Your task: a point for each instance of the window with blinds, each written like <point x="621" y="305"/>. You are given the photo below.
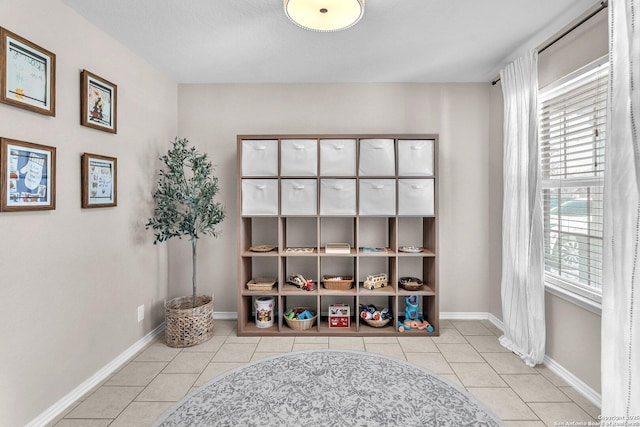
<point x="572" y="139"/>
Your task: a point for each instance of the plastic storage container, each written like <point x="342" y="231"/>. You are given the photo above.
<point x="264" y="311"/>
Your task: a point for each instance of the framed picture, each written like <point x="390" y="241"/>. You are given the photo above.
<point x="27" y="176"/>
<point x="98" y="102"/>
<point x="99" y="181"/>
<point x="27" y="75"/>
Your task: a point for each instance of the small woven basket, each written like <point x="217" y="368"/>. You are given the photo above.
<point x="301" y="325"/>
<point x="377" y="323"/>
<point x="261" y="284"/>
<point x="342" y="283"/>
<point x="411" y="283"/>
<point x="187" y="326"/>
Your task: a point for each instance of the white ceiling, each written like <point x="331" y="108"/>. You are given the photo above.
<point x="252" y="41"/>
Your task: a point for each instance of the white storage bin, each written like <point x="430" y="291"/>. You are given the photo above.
<point x="377" y="197"/>
<point x="416" y="197"/>
<point x="377" y="157"/>
<point x="259" y="157"/>
<point x="299" y="196"/>
<point x="298" y="157"/>
<point x="338" y="157"/>
<point x="415" y="157"/>
<point x="337" y="197"/>
<point x="259" y="197"/>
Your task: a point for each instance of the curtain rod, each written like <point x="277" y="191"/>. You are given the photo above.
<point x="603" y="5"/>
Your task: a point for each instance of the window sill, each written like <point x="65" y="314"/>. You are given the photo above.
<point x="580" y="301"/>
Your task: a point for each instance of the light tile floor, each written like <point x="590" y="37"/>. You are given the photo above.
<point x="466" y="352"/>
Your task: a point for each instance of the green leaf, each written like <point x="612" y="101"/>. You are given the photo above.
<point x="184" y="197"/>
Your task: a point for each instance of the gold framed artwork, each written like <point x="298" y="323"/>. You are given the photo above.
<point x="27" y="176"/>
<point x="98" y="102"/>
<point x="99" y="181"/>
<point x="27" y="74"/>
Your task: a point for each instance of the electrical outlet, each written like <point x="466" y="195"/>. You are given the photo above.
<point x="140" y="313"/>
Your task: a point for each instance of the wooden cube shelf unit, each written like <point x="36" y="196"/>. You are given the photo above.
<point x="376" y="193"/>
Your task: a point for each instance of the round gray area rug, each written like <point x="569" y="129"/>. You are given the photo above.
<point x="329" y="388"/>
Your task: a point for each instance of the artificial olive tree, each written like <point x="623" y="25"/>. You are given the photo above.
<point x="184" y="204"/>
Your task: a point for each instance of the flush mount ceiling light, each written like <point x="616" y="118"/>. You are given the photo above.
<point x="324" y="15"/>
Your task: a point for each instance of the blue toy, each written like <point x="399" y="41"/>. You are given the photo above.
<point x="304" y="315"/>
<point x="411" y="308"/>
<point x="412" y="318"/>
<point x="299" y="314"/>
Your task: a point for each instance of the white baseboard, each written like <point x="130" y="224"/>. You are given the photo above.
<point x="575" y="382"/>
<point x="463" y="315"/>
<point x="497" y="322"/>
<point x="60" y="406"/>
<point x="225" y="315"/>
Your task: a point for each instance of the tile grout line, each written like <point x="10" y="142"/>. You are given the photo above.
<point x="404" y="352"/>
<point x="133" y="360"/>
<point x="508" y="385"/>
<point x="145" y="387"/>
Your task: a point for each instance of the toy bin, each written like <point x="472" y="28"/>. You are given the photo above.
<point x="337" y="197"/>
<point x="377" y="157"/>
<point x="377" y="197"/>
<point x="298" y="157"/>
<point x="299" y="196"/>
<point x="300" y="325"/>
<point x="264" y="311"/>
<point x="415" y="157"/>
<point x="337" y="157"/>
<point x="415" y="197"/>
<point x="259" y="197"/>
<point x="259" y="157"/>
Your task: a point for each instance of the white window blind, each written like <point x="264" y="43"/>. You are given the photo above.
<point x="573" y="120"/>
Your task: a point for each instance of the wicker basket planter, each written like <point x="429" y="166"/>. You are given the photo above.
<point x="187" y="326"/>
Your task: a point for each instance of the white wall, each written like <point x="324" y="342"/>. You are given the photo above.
<point x="212" y="115"/>
<point x="582" y="46"/>
<point x="71" y="279"/>
<point x="573" y="333"/>
<point x="495" y="199"/>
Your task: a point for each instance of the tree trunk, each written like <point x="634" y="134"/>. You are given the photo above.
<point x="193" y="277"/>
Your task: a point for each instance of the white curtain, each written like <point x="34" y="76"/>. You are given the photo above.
<point x="522" y="244"/>
<point x="621" y="287"/>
